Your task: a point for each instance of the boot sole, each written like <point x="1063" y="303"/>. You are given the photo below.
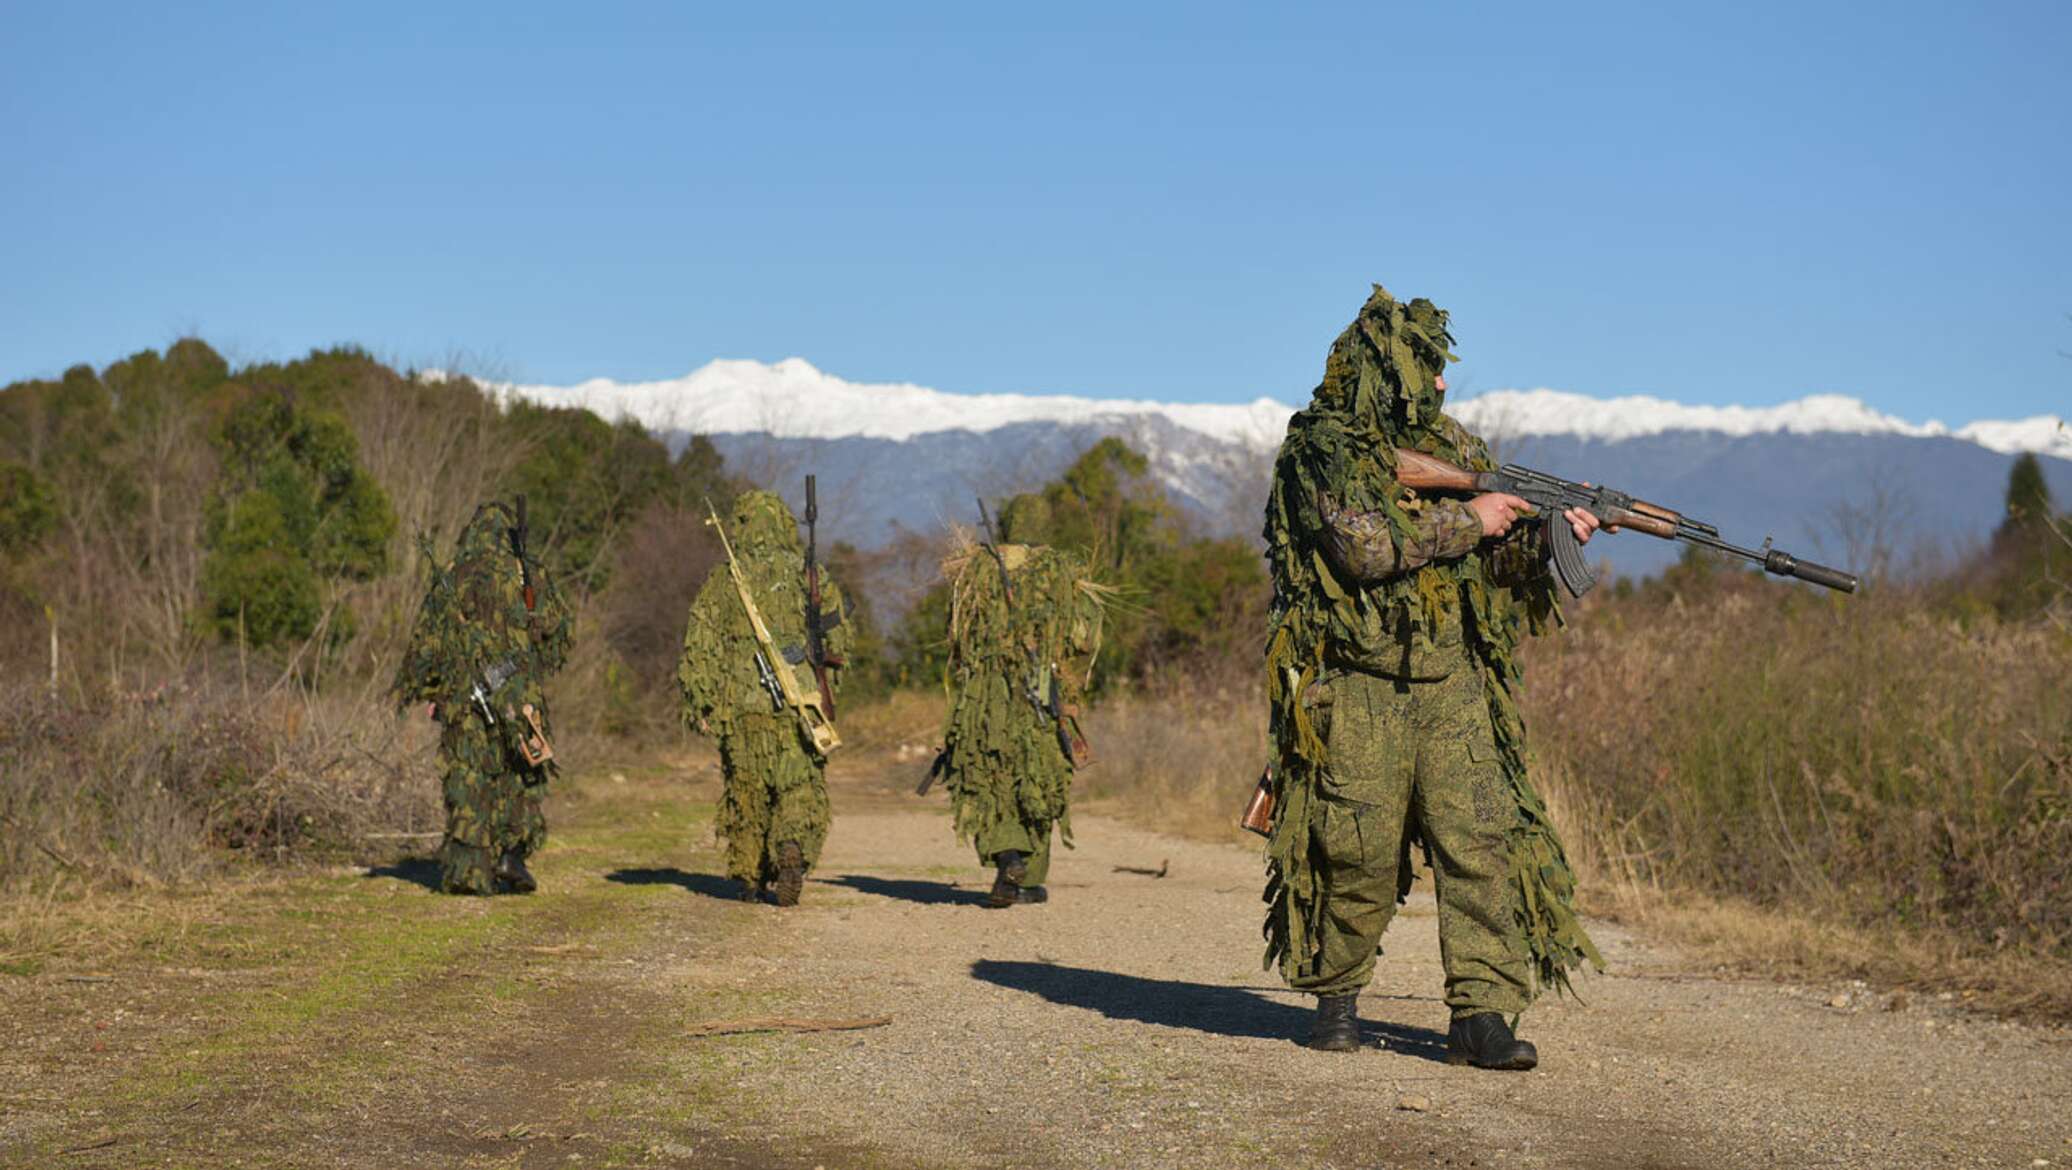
<point x="791" y="876"/>
<point x="1515" y="1064"/>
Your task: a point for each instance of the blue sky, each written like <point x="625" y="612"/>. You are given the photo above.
<point x="1719" y="203"/>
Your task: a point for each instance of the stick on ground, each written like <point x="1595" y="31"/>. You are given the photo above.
<point x="783" y="1024"/>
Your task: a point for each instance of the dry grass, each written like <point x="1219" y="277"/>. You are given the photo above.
<point x="1860" y="758"/>
<point x="162" y="789"/>
<point x="1184" y="763"/>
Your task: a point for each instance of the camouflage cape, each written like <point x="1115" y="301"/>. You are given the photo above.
<point x="774" y="787"/>
<point x="1003" y="763"/>
<point x="1378" y="393"/>
<point x="472" y="624"/>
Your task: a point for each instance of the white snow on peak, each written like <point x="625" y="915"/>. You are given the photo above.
<point x="1553" y="412"/>
<point x="794" y="399"/>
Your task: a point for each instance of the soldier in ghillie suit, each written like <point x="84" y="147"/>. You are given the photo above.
<point x="1391" y="671"/>
<point x="1025" y="624"/>
<point x="490" y="632"/>
<point x="774" y="813"/>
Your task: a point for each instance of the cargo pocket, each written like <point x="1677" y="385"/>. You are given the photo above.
<point x="1341" y="830"/>
<point x="1486" y="783"/>
<point x="1364" y="748"/>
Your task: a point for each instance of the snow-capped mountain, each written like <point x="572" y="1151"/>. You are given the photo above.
<point x="897" y="455"/>
<point x="792" y="399"/>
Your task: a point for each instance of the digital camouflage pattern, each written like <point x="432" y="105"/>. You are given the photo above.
<point x="1010" y="781"/>
<point x="472" y="628"/>
<point x="1391" y="669"/>
<point x="776" y="790"/>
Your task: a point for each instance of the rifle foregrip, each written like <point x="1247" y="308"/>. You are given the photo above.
<point x="1786" y="565"/>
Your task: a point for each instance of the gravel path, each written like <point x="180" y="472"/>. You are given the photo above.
<point x="357" y="1019"/>
<point x="1128" y="1024"/>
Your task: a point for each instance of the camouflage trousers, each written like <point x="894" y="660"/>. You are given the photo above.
<point x="1030" y="838"/>
<point x="776" y="791"/>
<point x="1422" y="753"/>
<point x="491" y="806"/>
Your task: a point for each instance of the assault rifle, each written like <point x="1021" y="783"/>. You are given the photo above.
<point x="1551" y="496"/>
<point x="518" y="535"/>
<point x="817" y="625"/>
<point x="771" y="665"/>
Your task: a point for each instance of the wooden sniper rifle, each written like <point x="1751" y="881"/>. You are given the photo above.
<point x="770" y="663"/>
<point x="1552" y="496"/>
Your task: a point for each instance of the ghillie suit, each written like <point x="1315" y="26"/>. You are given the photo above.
<point x="776" y="790"/>
<point x="1391" y="671"/>
<point x="1008" y="774"/>
<point x="474" y="631"/>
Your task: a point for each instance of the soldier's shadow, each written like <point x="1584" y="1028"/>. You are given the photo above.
<point x="1203" y="1007"/>
<point x="910" y="890"/>
<point x="419" y="871"/>
<point x="711" y="885"/>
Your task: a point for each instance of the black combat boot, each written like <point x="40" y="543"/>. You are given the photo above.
<point x="791" y="873"/>
<point x="511" y="874"/>
<point x="1485" y="1041"/>
<point x="1033" y="896"/>
<point x="1337" y="1026"/>
<point x="1007" y="883"/>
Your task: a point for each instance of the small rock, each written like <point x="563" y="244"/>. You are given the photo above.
<point x="1414" y="1103"/>
<point x="1841" y="1000"/>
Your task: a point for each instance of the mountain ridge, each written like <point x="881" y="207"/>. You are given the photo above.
<point x="794" y="399"/>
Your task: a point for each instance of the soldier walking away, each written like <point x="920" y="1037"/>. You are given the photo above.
<point x="1025" y="624"/>
<point x="1392" y="667"/>
<point x="490" y="632"/>
<point x="762" y="653"/>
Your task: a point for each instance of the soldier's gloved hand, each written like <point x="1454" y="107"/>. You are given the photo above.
<point x="1497" y="511"/>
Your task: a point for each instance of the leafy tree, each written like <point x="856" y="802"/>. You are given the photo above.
<point x="293" y="512"/>
<point x="28" y="508"/>
<point x="2030" y="554"/>
<point x="2029" y="506"/>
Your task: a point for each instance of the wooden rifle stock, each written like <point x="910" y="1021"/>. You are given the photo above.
<point x="1258" y="817"/>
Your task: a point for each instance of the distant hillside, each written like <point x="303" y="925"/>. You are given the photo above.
<point x="903" y="455"/>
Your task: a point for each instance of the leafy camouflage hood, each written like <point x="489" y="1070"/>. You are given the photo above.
<point x="488" y="544"/>
<point x="764" y="533"/>
<point x="1383" y="372"/>
<point x="1055" y="615"/>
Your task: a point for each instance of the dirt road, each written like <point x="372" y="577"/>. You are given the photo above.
<point x="356" y="1019"/>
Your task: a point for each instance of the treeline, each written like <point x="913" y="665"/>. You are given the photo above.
<point x="171" y="514"/>
<point x="169" y="508"/>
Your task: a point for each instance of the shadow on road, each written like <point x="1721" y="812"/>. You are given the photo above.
<point x="1219" y="1011"/>
<point x="418" y="871"/>
<point x="910" y="890"/>
<point x="709" y="884"/>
